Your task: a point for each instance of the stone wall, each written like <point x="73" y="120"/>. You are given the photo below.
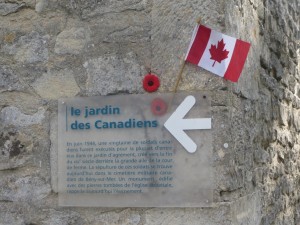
<point x="62" y="48"/>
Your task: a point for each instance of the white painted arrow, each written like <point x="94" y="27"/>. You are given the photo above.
<point x="176" y="124"/>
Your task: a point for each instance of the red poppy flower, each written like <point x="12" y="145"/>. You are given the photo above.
<point x="151" y="82"/>
<point x="158" y="107"/>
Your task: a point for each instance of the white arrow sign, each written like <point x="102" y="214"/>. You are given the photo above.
<point x="176" y="124"/>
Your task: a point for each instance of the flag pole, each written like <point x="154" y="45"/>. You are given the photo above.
<point x="179" y="77"/>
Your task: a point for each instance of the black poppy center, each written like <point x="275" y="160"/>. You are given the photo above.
<point x="158" y="108"/>
<point x="150" y="83"/>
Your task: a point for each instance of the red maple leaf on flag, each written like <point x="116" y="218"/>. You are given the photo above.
<point x="218" y="53"/>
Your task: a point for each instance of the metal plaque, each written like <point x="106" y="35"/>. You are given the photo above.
<point x="149" y="150"/>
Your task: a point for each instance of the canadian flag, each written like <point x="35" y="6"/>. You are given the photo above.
<point x="218" y="53"/>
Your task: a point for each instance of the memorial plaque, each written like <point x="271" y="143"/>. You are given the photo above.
<point x="151" y="150"/>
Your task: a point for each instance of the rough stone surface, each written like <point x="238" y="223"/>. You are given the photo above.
<point x="28" y="102"/>
<point x="208" y="216"/>
<point x="8" y="8"/>
<point x="15" y="148"/>
<point x="41" y="5"/>
<point x="113" y="74"/>
<point x="31" y="48"/>
<point x="8" y="80"/>
<point x="71" y="41"/>
<point x="58" y="84"/>
<point x="51" y="49"/>
<point x="13" y="116"/>
<point x="24" y="188"/>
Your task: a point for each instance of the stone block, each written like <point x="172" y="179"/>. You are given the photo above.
<point x="56" y="84"/>
<point x="54" y="217"/>
<point x="28" y="102"/>
<point x="126" y="217"/>
<point x="200" y="216"/>
<point x="261" y="156"/>
<point x="13" y="116"/>
<point x="114" y="74"/>
<point x="296" y="119"/>
<point x="72" y="41"/>
<point x="284" y="114"/>
<point x="8" y="8"/>
<point x="94" y="9"/>
<point x="9" y="80"/>
<point x="23" y="188"/>
<point x="247" y="210"/>
<point x="41" y="5"/>
<point x="31" y="48"/>
<point x="15" y="149"/>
